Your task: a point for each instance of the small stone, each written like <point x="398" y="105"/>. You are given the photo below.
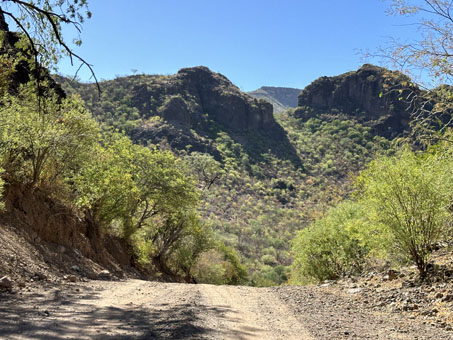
<point x="72" y="278"/>
<point x="40" y="276"/>
<point x="6" y="282"/>
<point x="407" y="284"/>
<point x="392" y="275"/>
<point x="61" y="249"/>
<point x="439" y="295"/>
<point x="448" y="298"/>
<point x="354" y="290"/>
<point x="91" y="276"/>
<point x="76" y="268"/>
<point x="104" y="275"/>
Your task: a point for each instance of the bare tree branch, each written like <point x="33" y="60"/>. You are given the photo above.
<point x="40" y="15"/>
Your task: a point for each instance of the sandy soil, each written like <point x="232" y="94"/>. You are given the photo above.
<point x="135" y="309"/>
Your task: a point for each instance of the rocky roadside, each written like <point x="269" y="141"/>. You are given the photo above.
<point x="394" y="302"/>
<point x="331" y="313"/>
<point x="26" y="260"/>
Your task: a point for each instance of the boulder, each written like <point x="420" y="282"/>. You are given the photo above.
<point x="72" y="278"/>
<point x="6" y="282"/>
<point x="104" y="275"/>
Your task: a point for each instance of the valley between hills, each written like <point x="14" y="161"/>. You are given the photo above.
<point x="180" y="207"/>
<point x="272" y="176"/>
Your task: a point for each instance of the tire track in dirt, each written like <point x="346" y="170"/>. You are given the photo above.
<point x="135" y="309"/>
<point x="244" y="313"/>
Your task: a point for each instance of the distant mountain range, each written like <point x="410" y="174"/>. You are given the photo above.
<point x="281" y="98"/>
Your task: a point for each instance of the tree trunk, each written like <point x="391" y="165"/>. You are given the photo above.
<point x="3" y="25"/>
<point x="159" y="262"/>
<point x="93" y="232"/>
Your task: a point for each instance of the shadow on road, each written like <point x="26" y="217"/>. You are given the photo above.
<point x="74" y="313"/>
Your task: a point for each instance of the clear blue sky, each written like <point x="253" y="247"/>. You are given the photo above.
<point x="252" y="42"/>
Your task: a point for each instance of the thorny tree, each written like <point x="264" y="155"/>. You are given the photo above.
<point x="430" y="52"/>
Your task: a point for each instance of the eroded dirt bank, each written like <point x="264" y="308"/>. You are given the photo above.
<point x="135" y="309"/>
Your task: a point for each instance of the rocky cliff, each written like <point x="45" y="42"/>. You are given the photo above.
<point x="372" y="95"/>
<point x="205" y="93"/>
<point x="193" y="106"/>
<point x="191" y="98"/>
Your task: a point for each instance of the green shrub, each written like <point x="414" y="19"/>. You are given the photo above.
<point x="42" y="139"/>
<point x="269" y="260"/>
<point x="268" y="276"/>
<point x="220" y="266"/>
<point x="332" y="246"/>
<point x="410" y="194"/>
<point x="193" y="241"/>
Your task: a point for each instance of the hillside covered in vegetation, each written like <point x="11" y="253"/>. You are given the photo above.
<point x="197" y="181"/>
<point x="262" y="179"/>
<point x="341" y="192"/>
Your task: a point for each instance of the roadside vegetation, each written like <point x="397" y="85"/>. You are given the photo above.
<point x="143" y="195"/>
<point x="401" y="206"/>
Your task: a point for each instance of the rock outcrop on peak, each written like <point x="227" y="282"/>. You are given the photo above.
<point x="372" y="95"/>
<point x="191" y="98"/>
<point x="211" y="93"/>
<point x="186" y="109"/>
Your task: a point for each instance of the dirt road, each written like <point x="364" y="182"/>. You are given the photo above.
<point x="137" y="309"/>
